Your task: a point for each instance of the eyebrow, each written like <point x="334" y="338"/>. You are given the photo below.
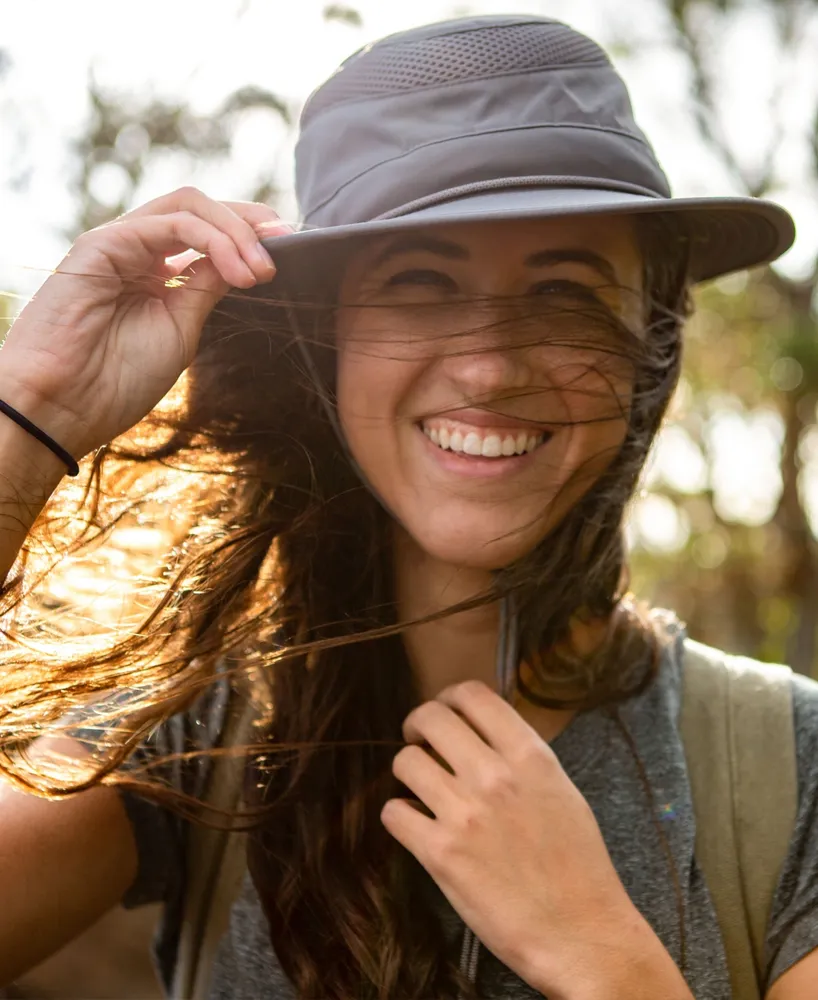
<point x="430" y="244"/>
<point x="601" y="264"/>
<point x="454" y="251"/>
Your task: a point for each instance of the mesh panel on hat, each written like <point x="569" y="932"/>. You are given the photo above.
<point x="455" y="58"/>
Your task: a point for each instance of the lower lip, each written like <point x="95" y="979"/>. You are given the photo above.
<point x="478" y="467"/>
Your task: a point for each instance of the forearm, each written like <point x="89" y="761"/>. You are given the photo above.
<point x="640" y="977"/>
<point x="625" y="960"/>
<point x="29" y="473"/>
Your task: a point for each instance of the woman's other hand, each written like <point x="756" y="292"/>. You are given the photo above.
<point x="517" y="851"/>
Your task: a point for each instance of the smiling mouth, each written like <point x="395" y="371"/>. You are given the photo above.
<point x="482" y="442"/>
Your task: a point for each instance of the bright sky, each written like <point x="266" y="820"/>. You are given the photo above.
<point x="200" y="51"/>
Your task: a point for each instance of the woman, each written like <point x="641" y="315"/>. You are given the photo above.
<point x="428" y="415"/>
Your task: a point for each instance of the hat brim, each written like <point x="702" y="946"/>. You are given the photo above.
<point x="725" y="234"/>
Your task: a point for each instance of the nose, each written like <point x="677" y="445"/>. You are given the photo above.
<point x="483" y="366"/>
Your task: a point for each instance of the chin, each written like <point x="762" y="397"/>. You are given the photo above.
<point x="467" y="546"/>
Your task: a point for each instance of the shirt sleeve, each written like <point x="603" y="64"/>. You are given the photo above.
<point x="161" y="834"/>
<point x="792" y="931"/>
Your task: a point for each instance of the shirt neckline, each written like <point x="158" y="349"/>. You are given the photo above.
<point x="587" y="735"/>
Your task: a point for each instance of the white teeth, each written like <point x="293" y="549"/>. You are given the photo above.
<point x="491" y="445"/>
<point x="472" y="445"/>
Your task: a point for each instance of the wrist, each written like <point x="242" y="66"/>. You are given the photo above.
<point x="624" y="960"/>
<point x="638" y="978"/>
<point x="24" y="456"/>
<point x="29" y="471"/>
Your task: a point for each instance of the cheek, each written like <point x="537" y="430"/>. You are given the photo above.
<point x="371" y="388"/>
<point x="592" y="388"/>
<point x="354" y="388"/>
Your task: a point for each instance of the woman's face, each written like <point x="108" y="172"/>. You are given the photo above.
<point x="482" y="384"/>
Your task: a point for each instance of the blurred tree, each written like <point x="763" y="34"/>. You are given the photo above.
<point x="748" y="580"/>
<point x="6" y="314"/>
<point x="346" y="15"/>
<point x="124" y="135"/>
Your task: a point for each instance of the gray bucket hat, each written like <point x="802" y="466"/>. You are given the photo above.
<point x="496" y="117"/>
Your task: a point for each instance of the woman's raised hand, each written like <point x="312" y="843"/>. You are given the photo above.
<point x="108" y="333"/>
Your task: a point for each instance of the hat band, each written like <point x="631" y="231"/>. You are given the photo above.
<point x="509" y="183"/>
<point x="561" y="155"/>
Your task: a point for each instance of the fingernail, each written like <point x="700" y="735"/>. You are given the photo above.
<point x="264" y="257"/>
<point x="275" y="227"/>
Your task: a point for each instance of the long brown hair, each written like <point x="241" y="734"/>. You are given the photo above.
<point x="271" y="559"/>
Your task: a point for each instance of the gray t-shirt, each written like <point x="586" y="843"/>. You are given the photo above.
<point x="595" y="756"/>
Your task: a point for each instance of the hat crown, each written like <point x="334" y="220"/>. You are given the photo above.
<point x="451" y="52"/>
<point x="497" y="117"/>
<point x="449" y="108"/>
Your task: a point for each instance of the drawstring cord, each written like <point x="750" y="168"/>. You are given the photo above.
<point x="469" y="955"/>
<point x="508" y="652"/>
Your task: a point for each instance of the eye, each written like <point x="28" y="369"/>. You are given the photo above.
<point x="563" y="287"/>
<point x="418" y="276"/>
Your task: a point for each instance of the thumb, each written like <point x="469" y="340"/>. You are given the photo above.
<point x="198" y="288"/>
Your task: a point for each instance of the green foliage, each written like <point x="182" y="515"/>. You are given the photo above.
<point x="345" y="15"/>
<point x="734" y="581"/>
<point x="6" y="313"/>
<point x="126" y="133"/>
<point x="752" y="347"/>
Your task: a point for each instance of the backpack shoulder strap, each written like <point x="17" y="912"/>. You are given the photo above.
<point x="216" y="861"/>
<point x="738" y="733"/>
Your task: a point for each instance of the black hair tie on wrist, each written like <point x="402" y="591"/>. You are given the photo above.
<point x="34" y="431"/>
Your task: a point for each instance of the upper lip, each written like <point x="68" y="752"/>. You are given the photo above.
<point x="488" y="418"/>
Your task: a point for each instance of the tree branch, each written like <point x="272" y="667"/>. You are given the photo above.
<point x="704" y="107"/>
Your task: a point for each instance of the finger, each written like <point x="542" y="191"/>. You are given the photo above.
<point x="433" y="784"/>
<point x="236" y="217"/>
<point x="178" y="263"/>
<point x="201" y="288"/>
<point x="409" y="827"/>
<point x="191" y="199"/>
<point x="448" y="735"/>
<point x="179" y="258"/>
<point x="240" y="264"/>
<point x="497" y="722"/>
<point x="265" y="221"/>
<point x="260" y="217"/>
